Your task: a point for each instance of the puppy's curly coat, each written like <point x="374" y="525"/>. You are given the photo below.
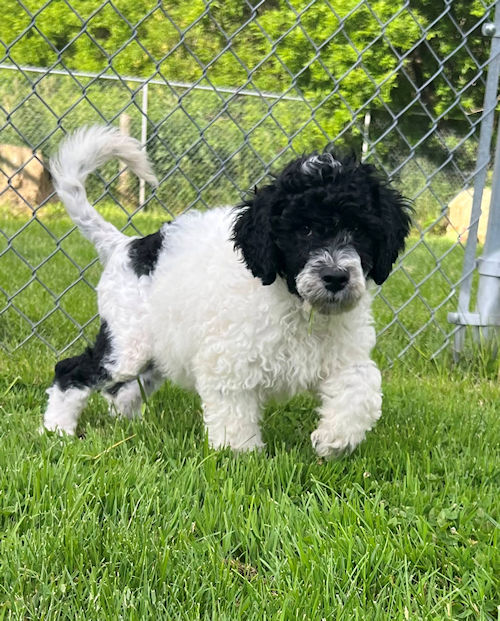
<point x="221" y="301"/>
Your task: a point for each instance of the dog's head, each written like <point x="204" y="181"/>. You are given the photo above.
<point x="326" y="225"/>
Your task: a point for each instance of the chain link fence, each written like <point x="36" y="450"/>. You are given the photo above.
<point x="221" y="94"/>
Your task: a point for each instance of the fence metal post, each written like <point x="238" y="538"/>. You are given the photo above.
<point x="488" y="300"/>
<point x="144" y="137"/>
<point x="488" y="295"/>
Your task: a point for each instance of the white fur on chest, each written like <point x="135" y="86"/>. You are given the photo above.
<point x="208" y="312"/>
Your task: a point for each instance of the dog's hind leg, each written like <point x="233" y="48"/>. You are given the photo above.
<point x="126" y="398"/>
<point x="64" y="408"/>
<point x="75" y="379"/>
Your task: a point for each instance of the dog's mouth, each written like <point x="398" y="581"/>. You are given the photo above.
<point x="328" y="303"/>
<point x="332" y="282"/>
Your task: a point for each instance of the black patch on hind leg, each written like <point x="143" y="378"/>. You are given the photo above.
<point x="86" y="370"/>
<point x="114" y="389"/>
<point x="143" y="376"/>
<point x="144" y="253"/>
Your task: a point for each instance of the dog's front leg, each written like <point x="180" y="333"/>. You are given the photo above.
<point x="232" y="419"/>
<point x="351" y="404"/>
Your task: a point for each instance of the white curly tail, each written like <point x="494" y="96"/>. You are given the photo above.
<point x="80" y="154"/>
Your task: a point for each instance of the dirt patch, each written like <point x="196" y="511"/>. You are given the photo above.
<point x="24" y="178"/>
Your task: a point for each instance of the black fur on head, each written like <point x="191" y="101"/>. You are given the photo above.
<point x="316" y="201"/>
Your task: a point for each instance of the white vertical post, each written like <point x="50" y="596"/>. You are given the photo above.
<point x="488" y="295"/>
<point x="124" y="178"/>
<point x="366" y="133"/>
<point x="144" y="137"/>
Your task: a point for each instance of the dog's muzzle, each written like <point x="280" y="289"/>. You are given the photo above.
<point x="332" y="280"/>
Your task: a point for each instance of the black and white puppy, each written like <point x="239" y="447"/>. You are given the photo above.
<point x="241" y="305"/>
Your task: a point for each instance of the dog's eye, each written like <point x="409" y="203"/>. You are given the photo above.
<point x="307" y="230"/>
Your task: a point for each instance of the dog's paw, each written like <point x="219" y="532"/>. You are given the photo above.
<point x="239" y="447"/>
<point x="130" y="413"/>
<point x="60" y="430"/>
<point x="330" y="443"/>
<point x="239" y="444"/>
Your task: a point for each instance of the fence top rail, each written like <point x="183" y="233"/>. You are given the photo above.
<point x="150" y="80"/>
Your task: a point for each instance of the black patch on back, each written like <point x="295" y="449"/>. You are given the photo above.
<point x="144" y="253"/>
<point x="86" y="370"/>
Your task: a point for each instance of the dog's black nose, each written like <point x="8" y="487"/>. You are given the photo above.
<point x="334" y="279"/>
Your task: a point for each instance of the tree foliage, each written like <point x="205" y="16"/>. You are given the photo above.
<point x="415" y="65"/>
<point x="339" y="54"/>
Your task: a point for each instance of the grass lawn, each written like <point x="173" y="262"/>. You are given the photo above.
<point x="139" y="520"/>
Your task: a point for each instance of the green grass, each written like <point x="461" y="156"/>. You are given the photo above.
<point x="141" y="520"/>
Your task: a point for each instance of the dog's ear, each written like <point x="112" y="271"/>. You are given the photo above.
<point x="394" y="213"/>
<point x="252" y="234"/>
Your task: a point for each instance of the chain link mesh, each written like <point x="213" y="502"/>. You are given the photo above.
<point x="215" y="129"/>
